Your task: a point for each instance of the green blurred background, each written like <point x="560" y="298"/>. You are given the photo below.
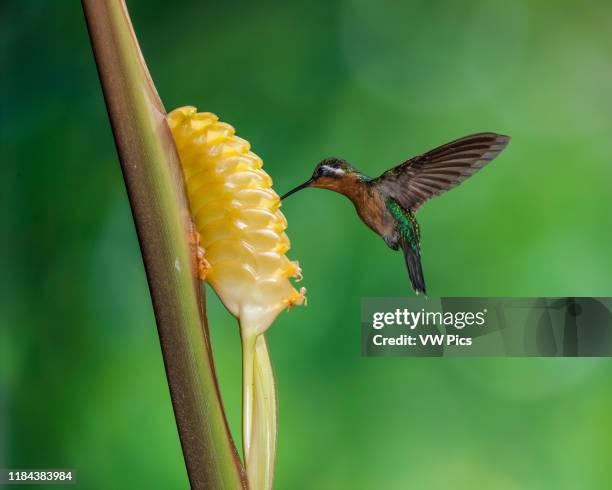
<point x="81" y="376"/>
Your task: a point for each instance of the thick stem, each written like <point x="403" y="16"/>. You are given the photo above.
<point x="156" y="191"/>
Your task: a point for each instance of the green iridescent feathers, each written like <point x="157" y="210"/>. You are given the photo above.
<point x="407" y="224"/>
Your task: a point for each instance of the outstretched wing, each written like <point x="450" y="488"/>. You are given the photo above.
<point x="430" y="174"/>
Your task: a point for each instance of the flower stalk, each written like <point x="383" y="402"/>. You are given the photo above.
<point x="161" y="214"/>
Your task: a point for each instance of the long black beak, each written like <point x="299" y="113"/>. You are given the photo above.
<point x="298" y="188"/>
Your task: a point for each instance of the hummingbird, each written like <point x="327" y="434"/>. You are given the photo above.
<point x="387" y="204"/>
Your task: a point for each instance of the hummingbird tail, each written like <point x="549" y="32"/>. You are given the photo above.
<point x="413" y="263"/>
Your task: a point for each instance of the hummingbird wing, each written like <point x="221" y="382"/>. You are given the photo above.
<point x="430" y="174"/>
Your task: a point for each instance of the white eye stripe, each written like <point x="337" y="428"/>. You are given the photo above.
<point x="332" y="170"/>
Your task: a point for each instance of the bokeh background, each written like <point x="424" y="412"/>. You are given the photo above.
<point x="81" y="377"/>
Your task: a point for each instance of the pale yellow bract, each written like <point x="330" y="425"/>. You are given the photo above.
<point x="236" y="212"/>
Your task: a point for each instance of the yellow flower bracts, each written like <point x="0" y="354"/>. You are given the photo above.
<point x="236" y="212"/>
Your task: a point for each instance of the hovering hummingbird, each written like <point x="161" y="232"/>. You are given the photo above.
<point x="387" y="204"/>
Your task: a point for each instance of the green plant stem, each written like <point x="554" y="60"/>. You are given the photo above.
<point x="156" y="192"/>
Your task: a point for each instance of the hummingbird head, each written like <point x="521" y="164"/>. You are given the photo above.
<point x="328" y="174"/>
